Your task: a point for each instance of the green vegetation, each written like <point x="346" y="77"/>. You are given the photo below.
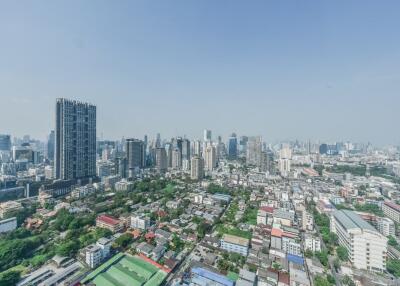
<point x="233" y="231"/>
<point x="348" y="281"/>
<point x="123" y="241"/>
<point x="393" y="266"/>
<point x="321" y="281"/>
<point x="250" y="215"/>
<point x="10" y="277"/>
<point x="213" y="189"/>
<point x="369" y="208"/>
<point x="322" y="257"/>
<point x="342" y="253"/>
<point x="231" y="212"/>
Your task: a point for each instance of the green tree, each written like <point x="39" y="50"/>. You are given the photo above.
<point x="68" y="248"/>
<point x="123" y="241"/>
<point x="321" y="281"/>
<point x="9" y="278"/>
<point x="342" y="253"/>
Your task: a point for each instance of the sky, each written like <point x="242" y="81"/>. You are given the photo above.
<point x="319" y="70"/>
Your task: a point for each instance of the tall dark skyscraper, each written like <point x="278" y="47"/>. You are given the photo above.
<point x="50" y="145"/>
<point x="186" y="149"/>
<point x="135" y="154"/>
<point x="5" y="142"/>
<point x="232" y="147"/>
<point x="75" y="137"/>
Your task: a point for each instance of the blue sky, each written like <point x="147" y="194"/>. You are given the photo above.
<point x="327" y="70"/>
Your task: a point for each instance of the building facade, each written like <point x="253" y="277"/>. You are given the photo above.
<point x="75" y="140"/>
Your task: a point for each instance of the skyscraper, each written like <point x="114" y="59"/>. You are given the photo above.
<point x="232" y="147"/>
<point x="197" y="168"/>
<point x="176" y="159"/>
<point x="207" y="135"/>
<point x="135" y="155"/>
<point x="75" y="137"/>
<point x="5" y="142"/>
<point x="210" y="158"/>
<point x="161" y="160"/>
<point x="254" y="149"/>
<point x="50" y="145"/>
<point x="185" y="149"/>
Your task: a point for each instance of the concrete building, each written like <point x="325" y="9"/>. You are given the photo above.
<point x="75" y="140"/>
<point x="9" y="207"/>
<point x="5" y="142"/>
<point x="135" y="154"/>
<point x="109" y="222"/>
<point x="197" y="168"/>
<point x="385" y="226"/>
<point x="161" y="160"/>
<point x="7" y="225"/>
<point x="391" y="210"/>
<point x="140" y="222"/>
<point x="367" y="247"/>
<point x="176" y="162"/>
<point x="232" y="243"/>
<point x="254" y="151"/>
<point x="210" y="158"/>
<point x="312" y="243"/>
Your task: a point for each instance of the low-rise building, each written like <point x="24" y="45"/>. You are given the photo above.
<point x="232" y="243"/>
<point x="109" y="222"/>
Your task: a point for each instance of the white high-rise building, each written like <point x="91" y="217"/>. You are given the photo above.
<point x="210" y="158"/>
<point x="285" y="161"/>
<point x="367" y="247"/>
<point x="176" y="159"/>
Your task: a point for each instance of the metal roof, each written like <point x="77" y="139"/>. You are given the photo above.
<point x="350" y="220"/>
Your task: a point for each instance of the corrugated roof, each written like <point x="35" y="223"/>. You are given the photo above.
<point x="350" y="220"/>
<point x="212" y="276"/>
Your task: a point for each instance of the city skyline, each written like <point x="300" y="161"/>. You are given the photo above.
<point x="279" y="70"/>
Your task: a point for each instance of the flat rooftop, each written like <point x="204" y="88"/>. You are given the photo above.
<point x="235" y="240"/>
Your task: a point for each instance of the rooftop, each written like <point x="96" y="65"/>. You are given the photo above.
<point x="108" y="219"/>
<point x="351" y="220"/>
<point x="235" y="240"/>
<point x="393" y="205"/>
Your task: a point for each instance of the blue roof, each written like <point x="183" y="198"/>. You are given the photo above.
<point x="295" y="259"/>
<point x="212" y="276"/>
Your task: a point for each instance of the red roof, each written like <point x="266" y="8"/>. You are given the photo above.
<point x="267" y="209"/>
<point x="288" y="234"/>
<point x="276" y="232"/>
<point x="108" y="219"/>
<point x="393" y="206"/>
<point x="149" y="235"/>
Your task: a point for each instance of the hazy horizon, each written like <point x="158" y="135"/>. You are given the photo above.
<point x="317" y="70"/>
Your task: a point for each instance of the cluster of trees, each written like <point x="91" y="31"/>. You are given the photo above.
<point x="369" y="208"/>
<point x="322" y="281"/>
<point x="213" y="189"/>
<point x="393" y="266"/>
<point x="250" y="215"/>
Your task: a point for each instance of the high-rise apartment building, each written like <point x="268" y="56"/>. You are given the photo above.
<point x="161" y="160"/>
<point x="254" y="150"/>
<point x="75" y="140"/>
<point x="210" y="158"/>
<point x="176" y="159"/>
<point x="197" y="168"/>
<point x="135" y="154"/>
<point x="367" y="247"/>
